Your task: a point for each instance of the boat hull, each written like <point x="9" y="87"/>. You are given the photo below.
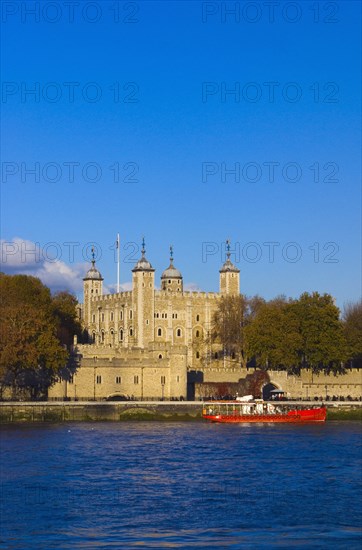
<point x="293" y="417"/>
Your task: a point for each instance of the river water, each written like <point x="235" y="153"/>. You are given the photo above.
<point x="181" y="485"/>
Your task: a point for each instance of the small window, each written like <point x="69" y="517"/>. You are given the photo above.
<point x="99" y="379"/>
<point x="197" y="355"/>
<point x="131" y="331"/>
<point x="197" y="334"/>
<point x="121" y="335"/>
<point x="136" y="380"/>
<point x="130" y="314"/>
<point x="121" y="315"/>
<point x="215" y="356"/>
<point x="71" y="379"/>
<point x="94" y="337"/>
<point x="112" y="315"/>
<point x="163" y="380"/>
<point x="169" y="281"/>
<point x="160" y="356"/>
<point x="178" y="332"/>
<point x="177" y="378"/>
<point x="93" y="318"/>
<point x="159" y="332"/>
<point x="102" y="336"/>
<point x="147" y="322"/>
<point x="118" y="379"/>
<point x="197" y="317"/>
<point x="102" y="317"/>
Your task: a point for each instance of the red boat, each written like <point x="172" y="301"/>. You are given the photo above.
<point x="261" y="411"/>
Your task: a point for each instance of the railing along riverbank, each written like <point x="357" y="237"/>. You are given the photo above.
<point x="74" y="411"/>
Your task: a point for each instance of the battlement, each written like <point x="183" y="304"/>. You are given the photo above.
<point x="112" y="297"/>
<point x="193" y="294"/>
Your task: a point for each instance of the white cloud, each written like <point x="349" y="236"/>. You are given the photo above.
<point x="27" y="258"/>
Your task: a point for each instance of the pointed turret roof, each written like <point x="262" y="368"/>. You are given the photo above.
<point x="93" y="272"/>
<point x="171" y="272"/>
<point x="143" y="264"/>
<point x="228" y="265"/>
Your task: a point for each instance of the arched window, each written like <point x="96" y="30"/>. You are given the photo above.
<point x="178" y="332"/>
<point x="93" y="337"/>
<point x="197" y="334"/>
<point x="121" y="315"/>
<point x="215" y="355"/>
<point x="93" y="318"/>
<point x="131" y="331"/>
<point x="197" y="317"/>
<point x="160" y="356"/>
<point x="121" y="335"/>
<point x="159" y="332"/>
<point x="130" y="314"/>
<point x="112" y="315"/>
<point x="102" y="336"/>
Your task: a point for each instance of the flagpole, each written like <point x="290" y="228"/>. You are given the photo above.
<point x="117" y="263"/>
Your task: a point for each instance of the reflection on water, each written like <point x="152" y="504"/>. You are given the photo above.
<point x="181" y="485"/>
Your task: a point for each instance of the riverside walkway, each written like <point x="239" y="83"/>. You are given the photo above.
<point x="63" y="411"/>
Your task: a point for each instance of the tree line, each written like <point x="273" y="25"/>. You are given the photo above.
<point x="288" y="334"/>
<point x="36" y="334"/>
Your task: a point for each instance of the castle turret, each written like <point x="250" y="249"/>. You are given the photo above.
<point x="171" y="278"/>
<point x="229" y="275"/>
<point x="143" y="286"/>
<point x="92" y="287"/>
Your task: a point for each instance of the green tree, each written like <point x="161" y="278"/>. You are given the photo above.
<point x="324" y="346"/>
<point x="352" y="322"/>
<point x="274" y="337"/>
<point x="30" y="352"/>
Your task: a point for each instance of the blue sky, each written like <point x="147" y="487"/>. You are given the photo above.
<point x="151" y="98"/>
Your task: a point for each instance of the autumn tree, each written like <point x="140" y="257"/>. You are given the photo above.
<point x="229" y="325"/>
<point x="30" y="351"/>
<point x="64" y="308"/>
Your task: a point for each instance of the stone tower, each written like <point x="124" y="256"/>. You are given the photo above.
<point x="92" y="287"/>
<point x="171" y="278"/>
<point x="143" y="286"/>
<point x="229" y="276"/>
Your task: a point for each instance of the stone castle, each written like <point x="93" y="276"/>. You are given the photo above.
<point x="150" y="344"/>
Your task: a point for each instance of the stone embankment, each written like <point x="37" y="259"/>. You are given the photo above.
<point x="137" y="410"/>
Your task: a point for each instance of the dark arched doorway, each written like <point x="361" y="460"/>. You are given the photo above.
<point x="267" y="389"/>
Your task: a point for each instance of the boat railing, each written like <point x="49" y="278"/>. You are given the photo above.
<point x="230" y="408"/>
